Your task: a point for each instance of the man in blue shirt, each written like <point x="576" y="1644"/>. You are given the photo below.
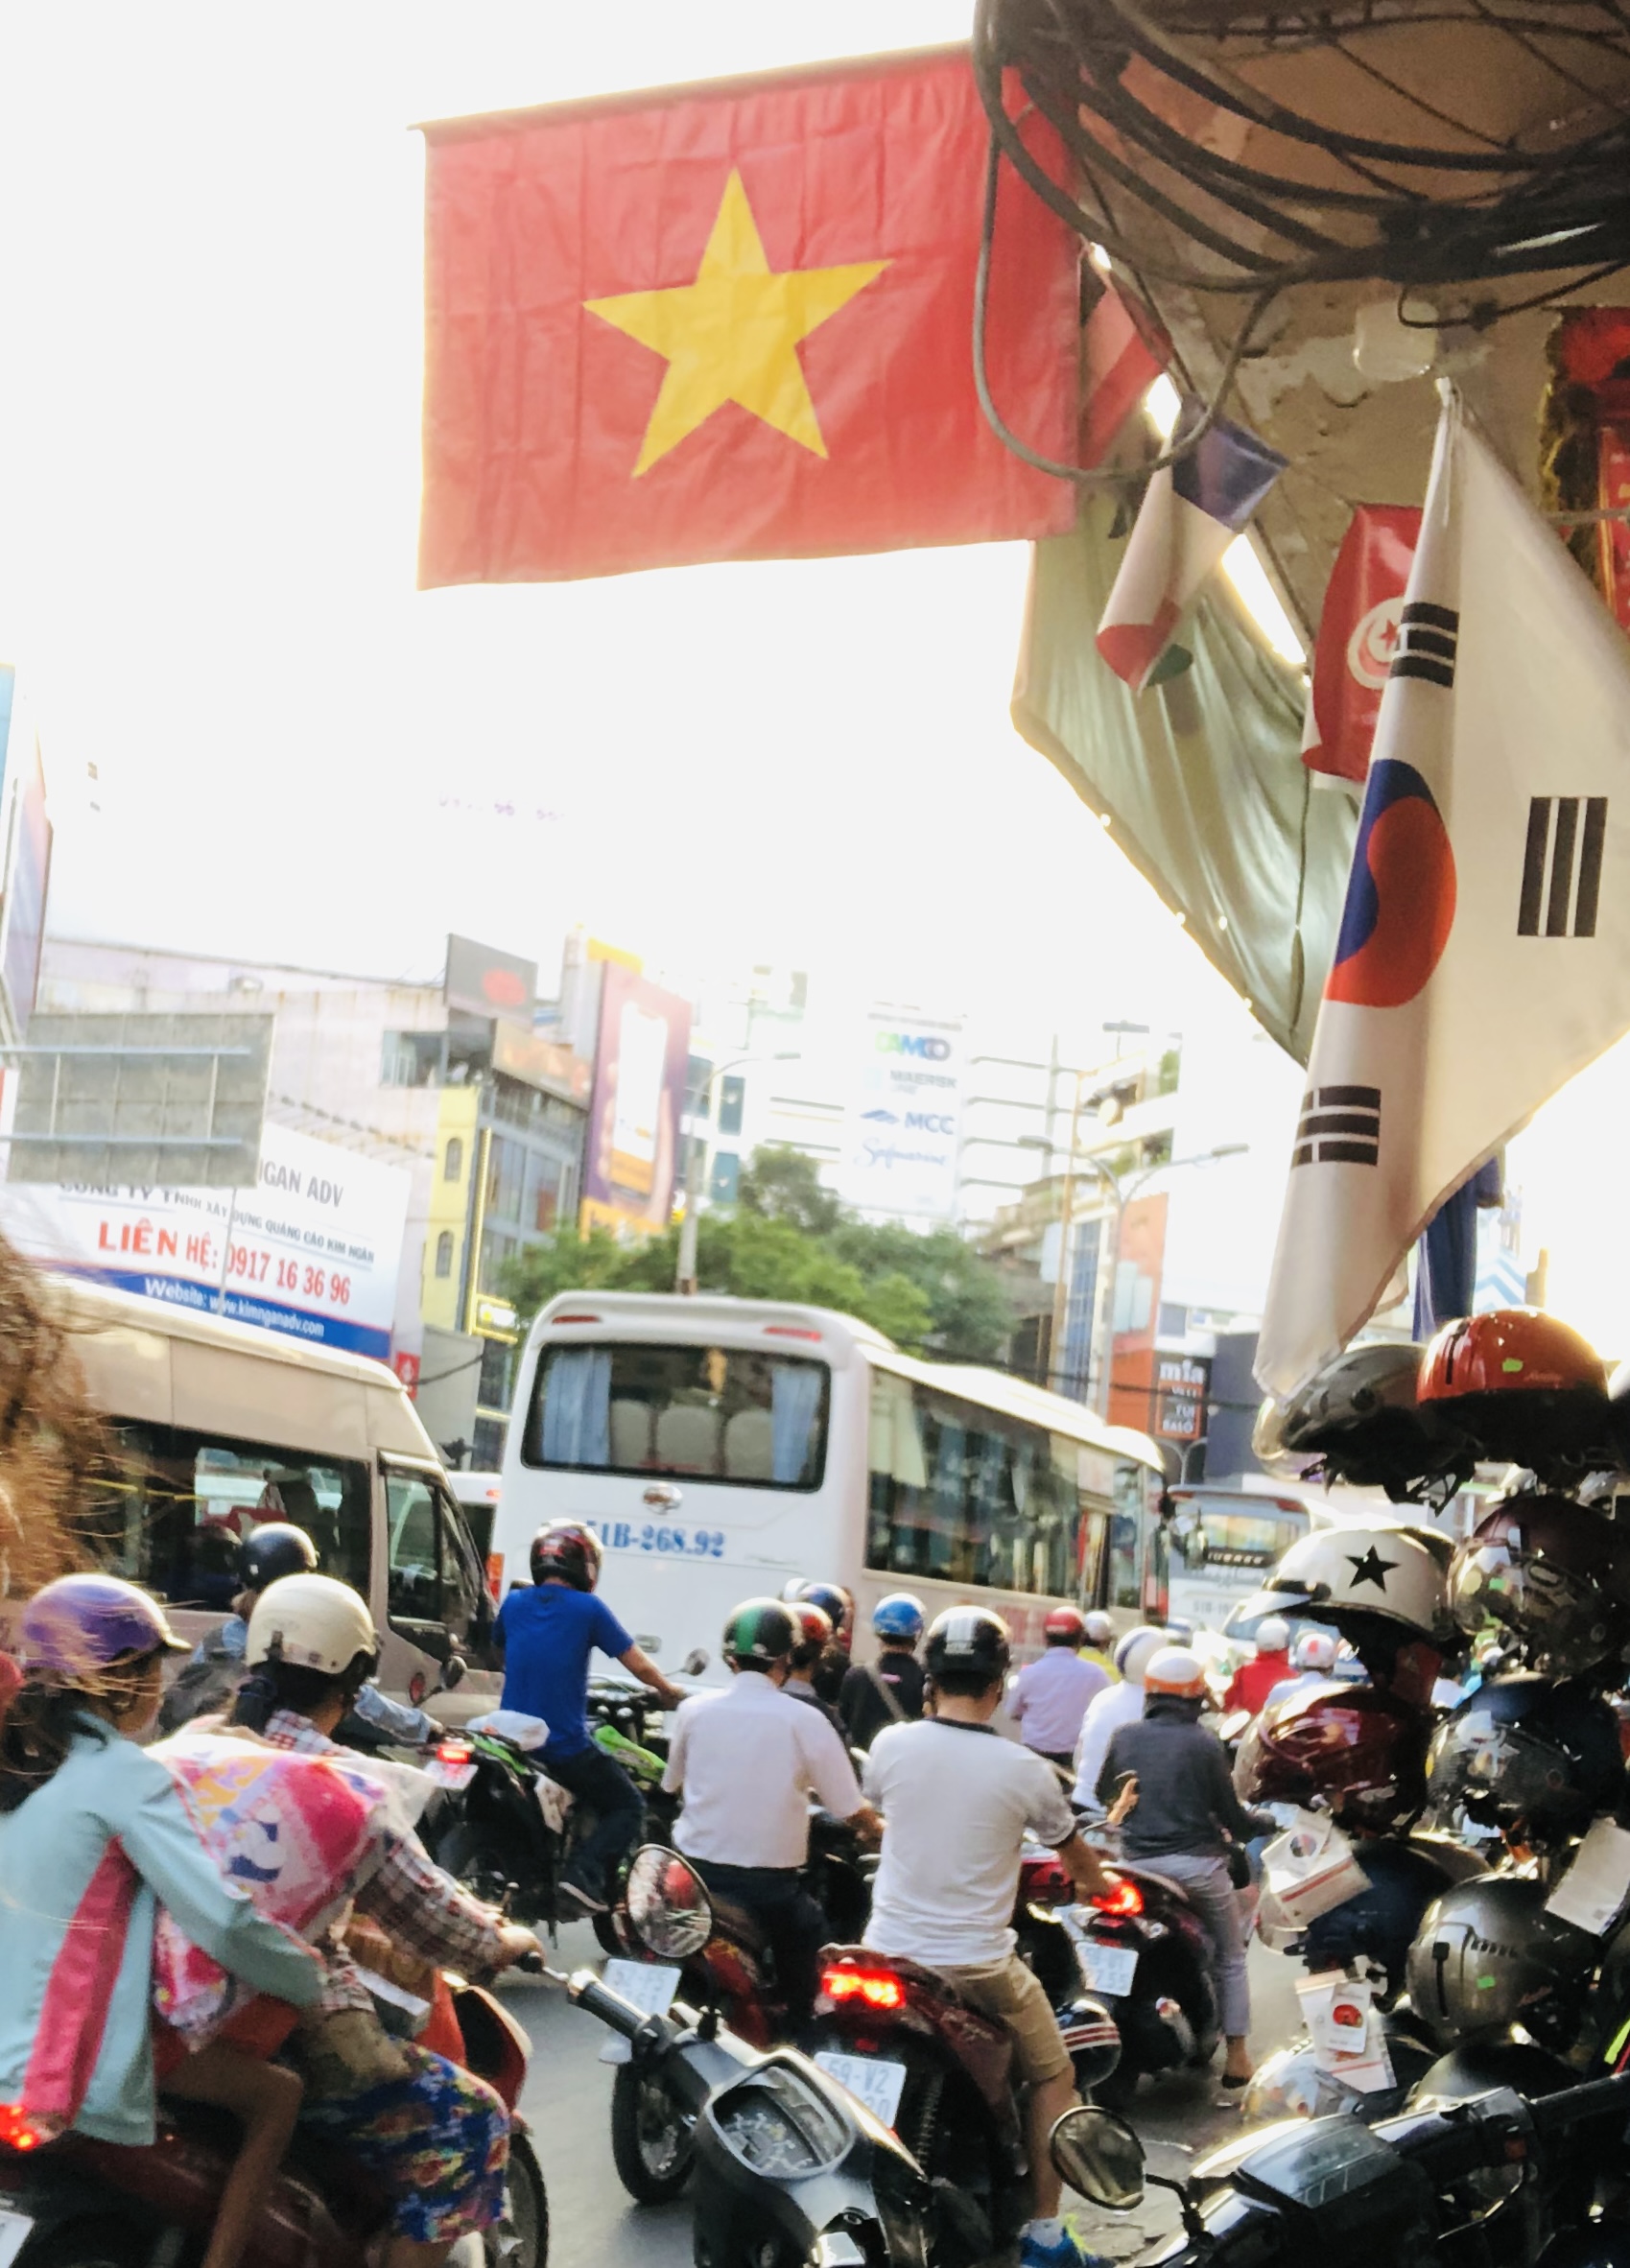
<point x="548" y="1634"/>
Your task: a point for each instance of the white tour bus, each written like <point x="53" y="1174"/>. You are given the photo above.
<point x="1223" y="1542"/>
<point x="219" y="1425"/>
<point x="722" y="1446"/>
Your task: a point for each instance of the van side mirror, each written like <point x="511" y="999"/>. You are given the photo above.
<point x="453" y="1673"/>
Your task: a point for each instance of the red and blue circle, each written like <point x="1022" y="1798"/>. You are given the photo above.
<point x="1399" y="897"/>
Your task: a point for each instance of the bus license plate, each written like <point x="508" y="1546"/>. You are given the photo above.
<point x="1106" y="1968"/>
<point x="15" y="2230"/>
<point x="877" y="2085"/>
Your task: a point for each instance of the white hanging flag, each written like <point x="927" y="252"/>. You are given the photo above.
<point x="1485" y="950"/>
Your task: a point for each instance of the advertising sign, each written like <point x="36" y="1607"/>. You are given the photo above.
<point x="639" y="1094"/>
<point x="1182" y="1384"/>
<point x="487" y="983"/>
<point x="313" y="1249"/>
<point x="903" y="1129"/>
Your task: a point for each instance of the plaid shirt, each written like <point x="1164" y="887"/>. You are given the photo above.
<point x="414" y="1901"/>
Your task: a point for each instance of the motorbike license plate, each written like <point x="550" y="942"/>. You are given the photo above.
<point x="453" y="1776"/>
<point x="877" y="2085"/>
<point x="1106" y="1968"/>
<point x="651" y="1986"/>
<point x="16" y="2229"/>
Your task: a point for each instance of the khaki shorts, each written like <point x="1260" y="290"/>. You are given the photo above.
<point x="1009" y="1993"/>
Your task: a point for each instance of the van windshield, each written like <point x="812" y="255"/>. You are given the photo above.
<point x="714" y="1413"/>
<point x="180" y="1504"/>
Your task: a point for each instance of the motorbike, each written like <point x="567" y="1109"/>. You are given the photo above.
<point x="78" y="2202"/>
<point x="730" y="1977"/>
<point x="939" y="2072"/>
<point x="1495" y="2180"/>
<point x="788" y="2169"/>
<point x="1144" y="1953"/>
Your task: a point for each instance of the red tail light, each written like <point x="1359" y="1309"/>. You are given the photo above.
<point x="877" y="1988"/>
<point x="1120" y="1898"/>
<point x="15" y="2132"/>
<point x="452" y="1752"/>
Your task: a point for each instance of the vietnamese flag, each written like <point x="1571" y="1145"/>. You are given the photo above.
<point x="734" y="322"/>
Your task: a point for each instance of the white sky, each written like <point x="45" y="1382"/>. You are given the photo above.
<point x="209" y="388"/>
<point x="209" y="408"/>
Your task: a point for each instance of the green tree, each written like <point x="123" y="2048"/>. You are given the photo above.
<point x="789" y="1238"/>
<point x="782" y="1184"/>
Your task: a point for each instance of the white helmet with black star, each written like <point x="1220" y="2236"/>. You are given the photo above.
<point x="1379" y="1572"/>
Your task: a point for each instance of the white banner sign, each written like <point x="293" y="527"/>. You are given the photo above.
<point x="313" y="1249"/>
<point x="903" y="1129"/>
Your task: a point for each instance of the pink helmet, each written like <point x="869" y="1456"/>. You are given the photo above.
<point x="82" y="1624"/>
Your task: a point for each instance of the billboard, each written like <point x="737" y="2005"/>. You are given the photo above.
<point x="903" y="1125"/>
<point x="484" y="981"/>
<point x="25" y="892"/>
<point x="311" y="1249"/>
<point x="639" y="1097"/>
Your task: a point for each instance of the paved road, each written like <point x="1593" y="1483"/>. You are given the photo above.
<point x="597" y="2226"/>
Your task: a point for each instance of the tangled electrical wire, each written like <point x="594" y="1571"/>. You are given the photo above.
<point x="1209" y="145"/>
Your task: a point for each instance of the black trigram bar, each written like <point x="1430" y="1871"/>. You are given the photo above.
<point x="1338" y="1126"/>
<point x="1428" y="637"/>
<point x="1562" y="867"/>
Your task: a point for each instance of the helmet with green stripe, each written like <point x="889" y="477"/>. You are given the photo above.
<point x="759" y="1634"/>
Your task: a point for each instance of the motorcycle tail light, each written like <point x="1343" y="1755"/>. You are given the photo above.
<point x="1120" y="1898"/>
<point x="872" y="1988"/>
<point x="452" y="1752"/>
<point x="15" y="2130"/>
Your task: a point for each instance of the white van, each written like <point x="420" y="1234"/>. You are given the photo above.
<point x="218" y="1426"/>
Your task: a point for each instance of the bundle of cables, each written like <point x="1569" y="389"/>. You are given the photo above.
<point x="1216" y="145"/>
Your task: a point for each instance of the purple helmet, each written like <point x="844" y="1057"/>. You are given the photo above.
<point x="81" y="1624"/>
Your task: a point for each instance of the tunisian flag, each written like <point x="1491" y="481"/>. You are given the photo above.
<point x="1358" y="637"/>
<point x="733" y="321"/>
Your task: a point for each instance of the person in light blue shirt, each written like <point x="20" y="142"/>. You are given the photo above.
<point x="94" y="1837"/>
<point x="548" y="1634"/>
<point x="271" y="1550"/>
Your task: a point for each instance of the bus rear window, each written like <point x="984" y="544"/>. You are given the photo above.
<point x="700" y="1413"/>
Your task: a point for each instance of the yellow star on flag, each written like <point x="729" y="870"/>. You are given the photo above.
<point x="733" y="335"/>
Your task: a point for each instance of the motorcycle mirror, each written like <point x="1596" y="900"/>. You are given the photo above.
<point x="453" y="1673"/>
<point x="668" y="1909"/>
<point x="695" y="1662"/>
<point x="1099" y="2154"/>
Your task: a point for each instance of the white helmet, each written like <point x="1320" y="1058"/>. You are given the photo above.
<point x="1315" y="1649"/>
<point x="311" y="1622"/>
<point x="1274" y="1635"/>
<point x="1137" y="1650"/>
<point x="1384" y="1571"/>
<point x="1100" y="1630"/>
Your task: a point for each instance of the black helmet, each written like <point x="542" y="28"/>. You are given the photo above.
<point x="1488" y="1956"/>
<point x="1357" y="1420"/>
<point x="1379" y="1926"/>
<point x="760" y="1633"/>
<point x="569" y="1551"/>
<point x="1552" y="1572"/>
<point x="968" y="1640"/>
<point x="1523" y="1752"/>
<point x="277" y="1549"/>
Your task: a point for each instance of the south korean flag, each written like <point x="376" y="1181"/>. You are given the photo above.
<point x="1485" y="950"/>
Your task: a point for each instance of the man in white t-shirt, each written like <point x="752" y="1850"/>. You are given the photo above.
<point x="746" y="1762"/>
<point x="958" y="1801"/>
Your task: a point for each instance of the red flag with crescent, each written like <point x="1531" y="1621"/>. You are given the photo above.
<point x="1357" y="635"/>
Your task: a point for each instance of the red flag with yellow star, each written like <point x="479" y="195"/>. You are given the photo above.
<point x="734" y="322"/>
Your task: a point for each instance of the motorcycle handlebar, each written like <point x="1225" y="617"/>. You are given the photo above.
<point x="620" y="2014"/>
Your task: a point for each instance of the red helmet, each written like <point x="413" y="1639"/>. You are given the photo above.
<point x="569" y="1551"/>
<point x="1519" y="1383"/>
<point x="1364" y="1751"/>
<point x="1065" y="1627"/>
<point x="813" y="1623"/>
<point x="1552" y="1572"/>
